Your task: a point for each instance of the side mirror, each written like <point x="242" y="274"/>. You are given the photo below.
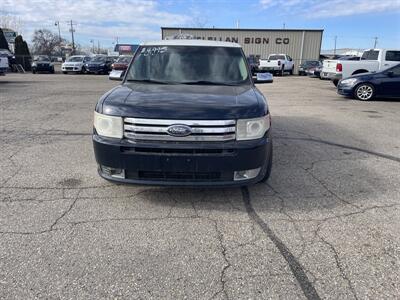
<point x="264" y="78"/>
<point x="390" y="74"/>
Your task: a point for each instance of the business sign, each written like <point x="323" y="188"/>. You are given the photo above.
<point x="247" y="40"/>
<point x="10" y="35"/>
<point x="125" y="48"/>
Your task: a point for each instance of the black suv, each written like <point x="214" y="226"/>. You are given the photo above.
<point x="99" y="65"/>
<point x="42" y="63"/>
<point x="187" y="113"/>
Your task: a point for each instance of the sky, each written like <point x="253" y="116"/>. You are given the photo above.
<point x="355" y="23"/>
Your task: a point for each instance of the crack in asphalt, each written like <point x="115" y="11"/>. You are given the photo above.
<point x="227" y="265"/>
<point x="316" y="140"/>
<point x="297" y="269"/>
<point x="338" y="264"/>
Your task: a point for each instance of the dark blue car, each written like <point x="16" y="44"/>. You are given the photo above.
<point x="385" y="84"/>
<point x="187" y="113"/>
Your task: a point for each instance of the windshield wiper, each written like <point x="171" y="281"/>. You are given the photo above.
<point x="149" y="81"/>
<point x="205" y="82"/>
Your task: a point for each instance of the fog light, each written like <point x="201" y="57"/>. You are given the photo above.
<point x="112" y="172"/>
<point x="246" y="174"/>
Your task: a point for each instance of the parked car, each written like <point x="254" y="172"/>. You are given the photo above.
<point x="42" y="63"/>
<point x="187" y="113"/>
<point x="118" y="68"/>
<point x="331" y="68"/>
<point x="99" y="64"/>
<point x="306" y="65"/>
<point x="254" y="63"/>
<point x="369" y="85"/>
<point x="372" y="60"/>
<point x="3" y="64"/>
<point x="75" y="64"/>
<point x="277" y="64"/>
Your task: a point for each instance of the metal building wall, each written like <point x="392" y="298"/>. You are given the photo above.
<point x="262" y="42"/>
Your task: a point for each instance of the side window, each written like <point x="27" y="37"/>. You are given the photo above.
<point x="392" y="55"/>
<point x="396" y="71"/>
<point x="370" y="55"/>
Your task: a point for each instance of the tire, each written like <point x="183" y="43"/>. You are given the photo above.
<point x="33" y="71"/>
<point x="364" y="92"/>
<point x="282" y="71"/>
<point x="269" y="167"/>
<point x="83" y="70"/>
<point x="335" y="82"/>
<point x="291" y="71"/>
<point x="64" y="72"/>
<point x="52" y="71"/>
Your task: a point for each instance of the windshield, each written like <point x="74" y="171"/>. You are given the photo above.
<point x="75" y="58"/>
<point x="99" y="59"/>
<point x="124" y="59"/>
<point x="276" y="57"/>
<point x="310" y="63"/>
<point x="189" y="65"/>
<point x="42" y="58"/>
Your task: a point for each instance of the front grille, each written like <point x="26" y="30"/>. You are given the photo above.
<point x="178" y="151"/>
<point x="177" y="176"/>
<point x="201" y="130"/>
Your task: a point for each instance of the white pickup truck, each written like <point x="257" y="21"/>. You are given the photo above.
<point x="372" y="60"/>
<point x="277" y="64"/>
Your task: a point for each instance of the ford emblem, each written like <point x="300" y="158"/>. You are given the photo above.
<point x="179" y="130"/>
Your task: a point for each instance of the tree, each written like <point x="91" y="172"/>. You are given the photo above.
<point x="46" y="42"/>
<point x="3" y="41"/>
<point x="22" y="55"/>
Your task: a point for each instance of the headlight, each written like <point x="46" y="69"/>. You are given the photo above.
<point x="34" y="64"/>
<point x="251" y="129"/>
<point x="350" y="81"/>
<point x="108" y="126"/>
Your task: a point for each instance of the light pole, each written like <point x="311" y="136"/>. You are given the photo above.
<point x="92" y="41"/>
<point x="57" y="23"/>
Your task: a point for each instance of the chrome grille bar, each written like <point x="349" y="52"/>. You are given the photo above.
<point x="201" y="130"/>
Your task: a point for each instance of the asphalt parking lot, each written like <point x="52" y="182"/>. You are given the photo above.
<point x="326" y="225"/>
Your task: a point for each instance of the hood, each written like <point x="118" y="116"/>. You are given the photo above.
<point x="96" y="63"/>
<point x="72" y="63"/>
<point x="191" y="102"/>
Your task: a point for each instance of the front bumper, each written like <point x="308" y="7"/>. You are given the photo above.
<point x="43" y="68"/>
<point x="345" y="90"/>
<point x="71" y="68"/>
<point x="96" y="69"/>
<point x="183" y="164"/>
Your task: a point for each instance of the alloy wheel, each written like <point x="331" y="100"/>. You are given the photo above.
<point x="364" y="92"/>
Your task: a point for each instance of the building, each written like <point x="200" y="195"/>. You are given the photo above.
<point x="300" y="44"/>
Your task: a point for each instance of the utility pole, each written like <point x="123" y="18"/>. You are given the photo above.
<point x="72" y="30"/>
<point x="92" y="41"/>
<point x="57" y="23"/>
<point x="334" y="50"/>
<point x="98" y="46"/>
<point x="376" y="41"/>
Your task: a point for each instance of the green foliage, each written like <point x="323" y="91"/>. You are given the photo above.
<point x="22" y="55"/>
<point x="3" y="41"/>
